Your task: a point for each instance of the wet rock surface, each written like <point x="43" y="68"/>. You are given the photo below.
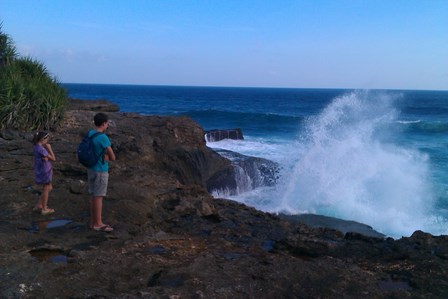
<point x="173" y="240"/>
<point x="343" y="226"/>
<point x="246" y="173"/>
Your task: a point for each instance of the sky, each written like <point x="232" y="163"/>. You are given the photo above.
<point x="363" y="44"/>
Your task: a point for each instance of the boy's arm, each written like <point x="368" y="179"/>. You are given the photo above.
<point x="110" y="155"/>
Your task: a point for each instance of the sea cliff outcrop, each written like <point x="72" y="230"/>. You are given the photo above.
<point x="247" y="173"/>
<point x="172" y="239"/>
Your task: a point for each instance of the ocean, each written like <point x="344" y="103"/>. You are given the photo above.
<point x="379" y="157"/>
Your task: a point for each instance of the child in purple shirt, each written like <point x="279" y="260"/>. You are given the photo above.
<point x="43" y="169"/>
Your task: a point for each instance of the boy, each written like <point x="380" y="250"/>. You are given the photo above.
<point x="98" y="175"/>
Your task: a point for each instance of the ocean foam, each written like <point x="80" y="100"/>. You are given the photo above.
<point x="345" y="169"/>
<point x="345" y="164"/>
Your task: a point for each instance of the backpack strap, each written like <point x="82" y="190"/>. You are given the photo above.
<point x="95" y="134"/>
<point x="104" y="150"/>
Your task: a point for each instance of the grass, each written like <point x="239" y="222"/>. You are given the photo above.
<point x="30" y="98"/>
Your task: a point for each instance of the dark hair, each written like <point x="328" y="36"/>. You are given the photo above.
<point x="100" y="118"/>
<point x="38" y="136"/>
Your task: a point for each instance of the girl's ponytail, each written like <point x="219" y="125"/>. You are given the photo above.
<point x="38" y="136"/>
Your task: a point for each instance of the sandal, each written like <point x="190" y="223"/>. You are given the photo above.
<point x="47" y="212"/>
<point x="105" y="228"/>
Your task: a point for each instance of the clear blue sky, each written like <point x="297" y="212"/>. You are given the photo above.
<point x="346" y="44"/>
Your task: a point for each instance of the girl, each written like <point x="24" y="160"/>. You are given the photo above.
<point x="43" y="169"/>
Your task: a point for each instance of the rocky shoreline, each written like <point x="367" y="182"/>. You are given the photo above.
<point x="173" y="240"/>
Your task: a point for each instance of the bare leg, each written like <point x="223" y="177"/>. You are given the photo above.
<point x="39" y="202"/>
<point x="91" y="223"/>
<point x="43" y="198"/>
<point x="96" y="209"/>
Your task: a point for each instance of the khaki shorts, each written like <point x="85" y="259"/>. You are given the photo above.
<point x="97" y="182"/>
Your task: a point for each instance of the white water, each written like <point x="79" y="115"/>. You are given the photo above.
<point x="346" y="169"/>
<point x="344" y="165"/>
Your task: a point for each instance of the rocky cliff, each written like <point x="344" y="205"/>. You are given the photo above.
<point x="172" y="239"/>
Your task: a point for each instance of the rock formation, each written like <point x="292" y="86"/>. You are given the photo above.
<point x="173" y="240"/>
<point x="246" y="174"/>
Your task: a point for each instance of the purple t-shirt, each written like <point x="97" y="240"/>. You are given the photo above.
<point x="43" y="170"/>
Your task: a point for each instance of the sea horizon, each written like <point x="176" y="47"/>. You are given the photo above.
<point x="253" y="87"/>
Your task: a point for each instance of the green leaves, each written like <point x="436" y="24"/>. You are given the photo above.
<point x="7" y="49"/>
<point x="30" y="98"/>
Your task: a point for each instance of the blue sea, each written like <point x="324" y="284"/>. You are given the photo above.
<point x="379" y="157"/>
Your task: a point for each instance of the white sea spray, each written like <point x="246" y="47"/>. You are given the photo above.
<point x="346" y="169"/>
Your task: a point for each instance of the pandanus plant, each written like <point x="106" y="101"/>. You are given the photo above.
<point x="30" y="98"/>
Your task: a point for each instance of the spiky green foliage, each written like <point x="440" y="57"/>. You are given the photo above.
<point x="30" y="98"/>
<point x="7" y="49"/>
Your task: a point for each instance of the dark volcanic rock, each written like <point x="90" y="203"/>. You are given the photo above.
<point x="92" y="105"/>
<point x="246" y="173"/>
<point x="173" y="240"/>
<point x="343" y="226"/>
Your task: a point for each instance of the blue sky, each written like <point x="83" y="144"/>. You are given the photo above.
<point x="311" y="44"/>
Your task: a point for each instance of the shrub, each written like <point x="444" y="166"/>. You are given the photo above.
<point x="7" y="50"/>
<point x="30" y="98"/>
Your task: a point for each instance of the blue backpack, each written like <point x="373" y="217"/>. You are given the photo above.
<point x="86" y="151"/>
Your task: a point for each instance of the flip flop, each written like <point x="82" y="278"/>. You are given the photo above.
<point x="105" y="228"/>
<point x="47" y="212"/>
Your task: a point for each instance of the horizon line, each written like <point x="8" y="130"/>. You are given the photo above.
<point x="253" y="87"/>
